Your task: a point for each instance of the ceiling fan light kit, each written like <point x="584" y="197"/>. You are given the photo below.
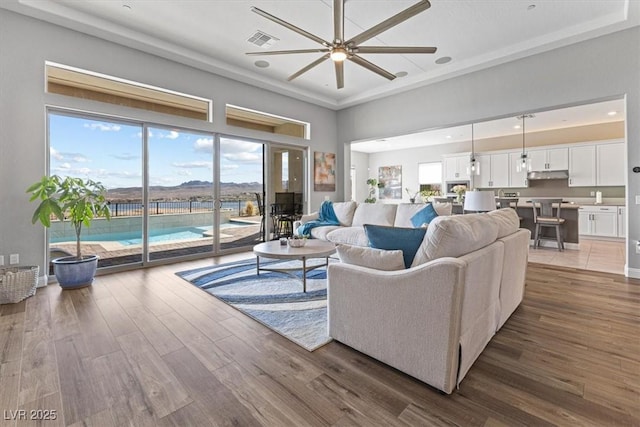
<point x="340" y="50"/>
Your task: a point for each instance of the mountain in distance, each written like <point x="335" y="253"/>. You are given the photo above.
<point x="190" y="190"/>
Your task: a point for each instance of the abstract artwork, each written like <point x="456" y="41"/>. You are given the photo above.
<point x="390" y="182"/>
<point x="324" y="171"/>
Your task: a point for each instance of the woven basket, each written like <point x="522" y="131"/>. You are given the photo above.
<point x="17" y="283"/>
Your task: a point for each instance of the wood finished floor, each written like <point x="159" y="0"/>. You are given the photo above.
<point x="145" y="348"/>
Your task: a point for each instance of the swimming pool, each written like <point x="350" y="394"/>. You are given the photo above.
<point x="155" y="236"/>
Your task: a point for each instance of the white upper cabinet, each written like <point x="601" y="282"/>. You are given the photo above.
<point x="610" y="164"/>
<point x="494" y="171"/>
<point x="551" y="159"/>
<point x="516" y="179"/>
<point x="582" y="166"/>
<point x="455" y="168"/>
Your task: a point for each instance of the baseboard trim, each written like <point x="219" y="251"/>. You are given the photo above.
<point x="550" y="244"/>
<point x="632" y="272"/>
<point x="42" y="281"/>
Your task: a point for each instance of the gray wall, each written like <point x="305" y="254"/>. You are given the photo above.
<point x="597" y="69"/>
<point x="26" y="43"/>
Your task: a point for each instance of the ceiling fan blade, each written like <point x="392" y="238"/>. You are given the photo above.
<point x="308" y="67"/>
<point x="339" y="74"/>
<point x="394" y="49"/>
<point x="338" y="20"/>
<point x="390" y="22"/>
<point x="285" y="52"/>
<point x="290" y="26"/>
<point x="371" y="67"/>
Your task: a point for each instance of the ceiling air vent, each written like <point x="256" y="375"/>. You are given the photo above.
<point x="262" y="39"/>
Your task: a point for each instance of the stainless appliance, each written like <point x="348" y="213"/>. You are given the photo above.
<point x="450" y="184"/>
<point x="561" y="174"/>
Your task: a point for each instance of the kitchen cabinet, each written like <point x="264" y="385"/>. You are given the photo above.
<point x="582" y="166"/>
<point x="455" y="168"/>
<point x="610" y="164"/>
<point x="622" y="221"/>
<point x="551" y="159"/>
<point x="598" y="221"/>
<point x="516" y="179"/>
<point x="494" y="171"/>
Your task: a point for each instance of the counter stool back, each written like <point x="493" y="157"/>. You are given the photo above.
<point x="546" y="218"/>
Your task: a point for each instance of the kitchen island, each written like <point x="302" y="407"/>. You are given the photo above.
<point x="568" y="211"/>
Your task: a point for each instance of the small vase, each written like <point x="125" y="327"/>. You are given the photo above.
<point x="459" y="198"/>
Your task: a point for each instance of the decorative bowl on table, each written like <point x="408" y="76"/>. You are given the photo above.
<point x="296" y="243"/>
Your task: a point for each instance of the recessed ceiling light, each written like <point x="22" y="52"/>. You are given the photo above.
<point x="612" y="113"/>
<point x="448" y="136"/>
<point x="401" y="74"/>
<point x="261" y="64"/>
<point x="443" y="60"/>
<point x="516" y="127"/>
<point x="531" y="7"/>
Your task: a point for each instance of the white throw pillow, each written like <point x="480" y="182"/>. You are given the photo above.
<point x="374" y="213"/>
<point x="378" y="259"/>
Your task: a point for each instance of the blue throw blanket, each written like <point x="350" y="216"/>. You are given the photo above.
<point x="326" y="216"/>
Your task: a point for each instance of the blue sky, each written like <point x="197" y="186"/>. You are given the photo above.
<point x="111" y="153"/>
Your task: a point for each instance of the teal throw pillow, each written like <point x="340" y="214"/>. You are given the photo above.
<point x="407" y="240"/>
<point x="424" y="216"/>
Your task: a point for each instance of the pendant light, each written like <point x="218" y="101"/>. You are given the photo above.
<point x="473" y="168"/>
<point x="524" y="165"/>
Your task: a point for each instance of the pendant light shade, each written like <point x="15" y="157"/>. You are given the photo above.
<point x="524" y="165"/>
<point x="473" y="168"/>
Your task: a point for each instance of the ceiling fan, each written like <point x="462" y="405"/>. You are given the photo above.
<point x="340" y="49"/>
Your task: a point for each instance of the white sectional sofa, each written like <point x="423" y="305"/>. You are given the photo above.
<point x="433" y="319"/>
<point x="353" y="216"/>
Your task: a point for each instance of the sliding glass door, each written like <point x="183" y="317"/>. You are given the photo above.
<point x="242" y="215"/>
<point x="110" y="152"/>
<point x="180" y="193"/>
<point x="170" y="193"/>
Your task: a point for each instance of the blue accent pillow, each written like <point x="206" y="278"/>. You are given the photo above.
<point x="424" y="215"/>
<point x="407" y="240"/>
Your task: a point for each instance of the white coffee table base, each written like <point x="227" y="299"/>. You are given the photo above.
<point x="313" y="249"/>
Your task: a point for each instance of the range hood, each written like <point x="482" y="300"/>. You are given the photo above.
<point x="561" y="174"/>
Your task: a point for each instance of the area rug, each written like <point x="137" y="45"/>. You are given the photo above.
<point x="274" y="299"/>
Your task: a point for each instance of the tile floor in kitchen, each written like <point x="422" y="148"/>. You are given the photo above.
<point x="597" y="255"/>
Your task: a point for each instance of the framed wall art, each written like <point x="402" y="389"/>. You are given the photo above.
<point x="390" y="182"/>
<point x="324" y="171"/>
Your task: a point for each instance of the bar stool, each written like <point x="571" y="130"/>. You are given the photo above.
<point x="547" y="219"/>
<point x="505" y="202"/>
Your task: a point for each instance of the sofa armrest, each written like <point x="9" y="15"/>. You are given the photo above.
<point x="304" y="219"/>
<point x="409" y="319"/>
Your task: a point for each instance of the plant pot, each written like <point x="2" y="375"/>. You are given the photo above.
<point x="72" y="273"/>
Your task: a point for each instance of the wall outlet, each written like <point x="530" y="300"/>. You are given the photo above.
<point x="14" y="259"/>
<point x="637" y="200"/>
<point x="638" y="247"/>
<point x="1" y="259"/>
<point x="518" y="193"/>
<point x="593" y="194"/>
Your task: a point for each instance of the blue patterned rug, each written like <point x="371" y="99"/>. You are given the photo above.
<point x="274" y="299"/>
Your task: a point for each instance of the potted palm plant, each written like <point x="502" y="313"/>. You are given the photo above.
<point x="79" y="201"/>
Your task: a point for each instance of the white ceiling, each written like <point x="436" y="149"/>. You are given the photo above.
<point x="581" y="115"/>
<point x="212" y="35"/>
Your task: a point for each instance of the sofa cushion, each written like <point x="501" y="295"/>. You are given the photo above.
<point x="456" y="235"/>
<point x="371" y="258"/>
<point x="349" y="236"/>
<point x="321" y="232"/>
<point x="392" y="238"/>
<point x="344" y="212"/>
<point x="406" y="210"/>
<point x="507" y="220"/>
<point x="374" y="213"/>
<point x="424" y="216"/>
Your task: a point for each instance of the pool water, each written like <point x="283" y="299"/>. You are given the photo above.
<point x="155" y="236"/>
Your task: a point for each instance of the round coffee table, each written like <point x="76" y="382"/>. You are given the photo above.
<point x="313" y="249"/>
